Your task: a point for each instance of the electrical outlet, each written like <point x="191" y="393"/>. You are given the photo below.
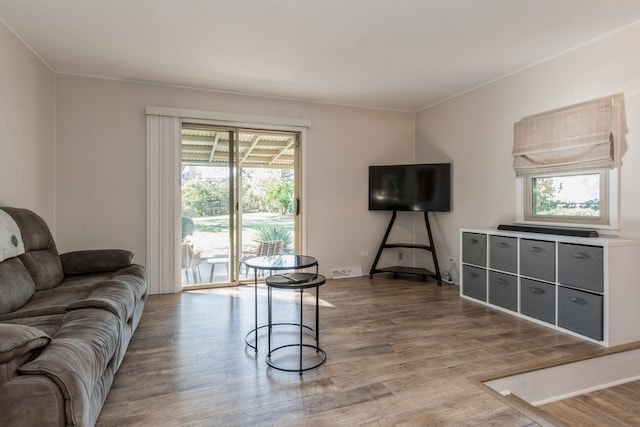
<point x="400" y="256"/>
<point x="364" y="254"/>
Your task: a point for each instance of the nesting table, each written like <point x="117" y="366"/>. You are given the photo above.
<point x="298" y="282"/>
<point x="294" y="280"/>
<point x="273" y="263"/>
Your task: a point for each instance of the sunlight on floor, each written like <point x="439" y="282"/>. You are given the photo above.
<point x="308" y="298"/>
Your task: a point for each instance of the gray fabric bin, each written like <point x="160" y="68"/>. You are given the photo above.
<point x="503" y="253"/>
<point x="474" y="282"/>
<point x="503" y="290"/>
<point x="474" y="249"/>
<point x="538" y="300"/>
<point x="538" y="259"/>
<point x="580" y="312"/>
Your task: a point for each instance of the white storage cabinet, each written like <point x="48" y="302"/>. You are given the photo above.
<point x="584" y="286"/>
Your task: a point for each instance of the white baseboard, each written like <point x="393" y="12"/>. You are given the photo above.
<point x="345" y="272"/>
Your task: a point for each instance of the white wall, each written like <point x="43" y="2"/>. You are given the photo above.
<point x="475" y="131"/>
<point x="100" y="132"/>
<point x="26" y="129"/>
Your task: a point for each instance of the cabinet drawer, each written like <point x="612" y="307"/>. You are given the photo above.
<point x="503" y="253"/>
<point x="538" y="300"/>
<point x="538" y="259"/>
<point x="503" y="290"/>
<point x="474" y="248"/>
<point x="474" y="282"/>
<point x="581" y="266"/>
<point x="580" y="312"/>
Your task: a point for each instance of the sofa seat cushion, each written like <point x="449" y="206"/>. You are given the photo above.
<point x="74" y="292"/>
<point x="78" y="356"/>
<point x="49" y="324"/>
<point x="112" y="295"/>
<point x="133" y="275"/>
<point x="17" y="341"/>
<point x="16" y="285"/>
<point x="52" y="301"/>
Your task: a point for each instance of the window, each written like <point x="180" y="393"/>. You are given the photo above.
<point x="566" y="165"/>
<point x="578" y="198"/>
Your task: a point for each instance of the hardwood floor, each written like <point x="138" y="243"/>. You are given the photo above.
<point x="615" y="406"/>
<point x="399" y="352"/>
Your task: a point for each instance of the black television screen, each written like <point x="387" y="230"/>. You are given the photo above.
<point x="421" y="188"/>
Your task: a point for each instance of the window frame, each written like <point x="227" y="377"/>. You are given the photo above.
<point x="602" y="219"/>
<point x="609" y="203"/>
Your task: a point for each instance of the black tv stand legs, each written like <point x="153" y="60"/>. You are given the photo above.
<point x="432" y="249"/>
<point x="374" y="270"/>
<point x="402" y="269"/>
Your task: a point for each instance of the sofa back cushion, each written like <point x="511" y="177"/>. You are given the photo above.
<point x="41" y="257"/>
<point x="16" y="285"/>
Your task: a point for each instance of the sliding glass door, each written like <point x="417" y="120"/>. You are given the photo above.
<point x="240" y="198"/>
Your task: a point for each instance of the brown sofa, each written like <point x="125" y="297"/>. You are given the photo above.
<point x="65" y="324"/>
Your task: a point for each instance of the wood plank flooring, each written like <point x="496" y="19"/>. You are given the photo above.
<point x="399" y="352"/>
<point x="615" y="406"/>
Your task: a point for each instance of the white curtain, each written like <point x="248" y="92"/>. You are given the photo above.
<point x="570" y="139"/>
<point x="163" y="204"/>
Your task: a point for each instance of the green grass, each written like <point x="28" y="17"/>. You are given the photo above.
<point x="253" y="221"/>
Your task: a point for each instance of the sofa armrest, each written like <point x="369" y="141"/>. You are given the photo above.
<point x="95" y="261"/>
<point x="18" y="340"/>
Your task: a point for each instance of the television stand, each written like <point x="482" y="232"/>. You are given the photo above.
<point x="398" y="269"/>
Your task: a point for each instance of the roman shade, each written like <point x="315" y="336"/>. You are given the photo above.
<point x="570" y="139"/>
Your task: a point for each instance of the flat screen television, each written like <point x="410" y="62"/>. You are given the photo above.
<point x="420" y="188"/>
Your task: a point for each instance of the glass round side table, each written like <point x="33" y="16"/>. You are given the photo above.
<point x="273" y="263"/>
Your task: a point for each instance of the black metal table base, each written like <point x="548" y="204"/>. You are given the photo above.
<point x="273" y="263"/>
<point x="301" y="368"/>
<point x="298" y="282"/>
<point x="254" y="331"/>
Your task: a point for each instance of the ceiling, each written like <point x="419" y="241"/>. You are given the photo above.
<point x="390" y="54"/>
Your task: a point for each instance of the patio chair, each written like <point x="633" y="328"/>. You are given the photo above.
<point x="266" y="248"/>
<point x="190" y="261"/>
